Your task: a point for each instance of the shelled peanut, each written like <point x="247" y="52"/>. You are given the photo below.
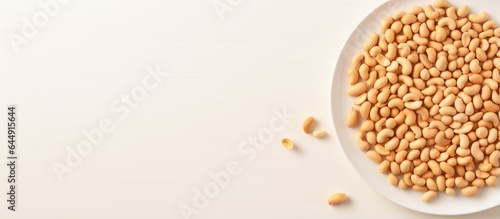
<point x="427" y="99"/>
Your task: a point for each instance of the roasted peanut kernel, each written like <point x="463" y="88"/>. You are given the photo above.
<point x="287" y="143"/>
<point x="309" y="121"/>
<point x="319" y="133"/>
<point x="428" y="196"/>
<point x="337" y="198"/>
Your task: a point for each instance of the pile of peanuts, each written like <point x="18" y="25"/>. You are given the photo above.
<point x="427" y="91"/>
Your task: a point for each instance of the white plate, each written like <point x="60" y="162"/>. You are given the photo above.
<point x="341" y="105"/>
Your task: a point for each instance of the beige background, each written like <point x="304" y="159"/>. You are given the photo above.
<point x="226" y="78"/>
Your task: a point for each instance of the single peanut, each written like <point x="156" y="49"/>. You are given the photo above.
<point x="352" y="120"/>
<point x="495" y="158"/>
<point x="319" y="133"/>
<point x="469" y="191"/>
<point x="428" y="196"/>
<point x="442" y="4"/>
<point x="309" y="121"/>
<point x="337" y="198"/>
<point x="287" y="143"/>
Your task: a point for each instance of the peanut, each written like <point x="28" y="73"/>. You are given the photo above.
<point x="372" y="42"/>
<point x="373" y="155"/>
<point x="442" y="4"/>
<point x="309" y="121"/>
<point x="352" y="120"/>
<point x="478" y="18"/>
<point x="337" y="198"/>
<point x="287" y="143"/>
<point x="491" y="181"/>
<point x="463" y="11"/>
<point x="319" y="133"/>
<point x="469" y="191"/>
<point x="450" y="191"/>
<point x="495" y="158"/>
<point x="392" y="179"/>
<point x="428" y="196"/>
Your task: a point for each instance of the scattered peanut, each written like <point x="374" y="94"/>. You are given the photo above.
<point x="308" y="123"/>
<point x="287" y="143"/>
<point x="337" y="198"/>
<point x="319" y="133"/>
<point x="428" y="94"/>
